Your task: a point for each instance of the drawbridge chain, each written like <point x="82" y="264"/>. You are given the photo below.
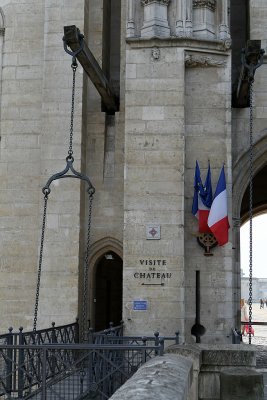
<point x="251" y="58"/>
<point x="250" y="204"/>
<point x="68" y="172"/>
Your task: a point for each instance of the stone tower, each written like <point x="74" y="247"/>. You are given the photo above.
<point x="172" y="65"/>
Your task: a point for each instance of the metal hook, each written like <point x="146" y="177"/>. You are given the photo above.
<point x="74" y="53"/>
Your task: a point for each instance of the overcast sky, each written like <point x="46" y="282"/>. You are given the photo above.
<point x="259" y="249"/>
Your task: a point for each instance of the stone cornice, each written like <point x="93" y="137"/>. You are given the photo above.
<point x="146" y="2"/>
<point x="213" y="46"/>
<point x="210" y="4"/>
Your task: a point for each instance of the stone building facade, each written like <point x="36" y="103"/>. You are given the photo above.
<point x="173" y="65"/>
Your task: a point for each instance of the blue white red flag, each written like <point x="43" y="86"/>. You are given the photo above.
<point x="202" y="199"/>
<point x="218" y="217"/>
<point x="197" y="185"/>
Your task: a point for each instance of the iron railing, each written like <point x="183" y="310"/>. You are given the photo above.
<point x="15" y="381"/>
<point x="40" y="365"/>
<point x="56" y="334"/>
<point x="57" y="371"/>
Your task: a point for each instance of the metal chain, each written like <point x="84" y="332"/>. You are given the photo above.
<point x="40" y="263"/>
<point x="250" y="200"/>
<point x="46" y="191"/>
<point x="86" y="263"/>
<point x="74" y="66"/>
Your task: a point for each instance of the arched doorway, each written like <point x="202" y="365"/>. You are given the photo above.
<point x="108" y="291"/>
<point x="240" y="203"/>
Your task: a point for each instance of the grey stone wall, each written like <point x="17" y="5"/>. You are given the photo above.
<point x="35" y="106"/>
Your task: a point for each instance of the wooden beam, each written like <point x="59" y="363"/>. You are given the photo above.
<point x="74" y="40"/>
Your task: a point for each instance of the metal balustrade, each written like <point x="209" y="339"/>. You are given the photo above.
<point x="67" y="371"/>
<point x="41" y="366"/>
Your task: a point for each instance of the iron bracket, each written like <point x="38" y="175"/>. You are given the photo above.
<point x="63" y="174"/>
<point x="75" y="41"/>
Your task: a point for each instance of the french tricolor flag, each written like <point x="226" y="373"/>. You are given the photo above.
<point x="202" y="199"/>
<point x="218" y="217"/>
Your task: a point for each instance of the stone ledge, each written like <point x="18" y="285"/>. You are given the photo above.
<point x="219" y="46"/>
<point x="163" y="378"/>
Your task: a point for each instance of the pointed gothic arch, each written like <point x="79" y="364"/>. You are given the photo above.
<point x="105" y="281"/>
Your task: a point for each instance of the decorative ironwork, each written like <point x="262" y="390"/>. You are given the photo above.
<point x="52" y="369"/>
<point x="207" y="241"/>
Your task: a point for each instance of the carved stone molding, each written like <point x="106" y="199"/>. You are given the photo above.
<point x="210" y="4"/>
<point x="155" y="18"/>
<point x="236" y="222"/>
<point x="202" y="61"/>
<point x="164" y="2"/>
<point x="131" y="19"/>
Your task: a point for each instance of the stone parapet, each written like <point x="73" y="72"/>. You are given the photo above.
<point x="162" y="378"/>
<point x="211" y="361"/>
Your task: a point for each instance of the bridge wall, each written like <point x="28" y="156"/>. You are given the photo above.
<point x="165" y="378"/>
<point x="193" y="373"/>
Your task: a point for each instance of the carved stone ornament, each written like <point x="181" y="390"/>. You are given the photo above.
<point x="155" y="52"/>
<point x="202" y="61"/>
<point x="210" y="4"/>
<point x="236" y="222"/>
<point x="146" y="2"/>
<point x="227" y="43"/>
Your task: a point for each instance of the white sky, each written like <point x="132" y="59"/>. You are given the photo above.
<point x="259" y="247"/>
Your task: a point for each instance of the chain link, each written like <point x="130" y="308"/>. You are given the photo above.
<point x="74" y="66"/>
<point x="40" y="265"/>
<point x="46" y="191"/>
<point x="250" y="200"/>
<point x="86" y="265"/>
